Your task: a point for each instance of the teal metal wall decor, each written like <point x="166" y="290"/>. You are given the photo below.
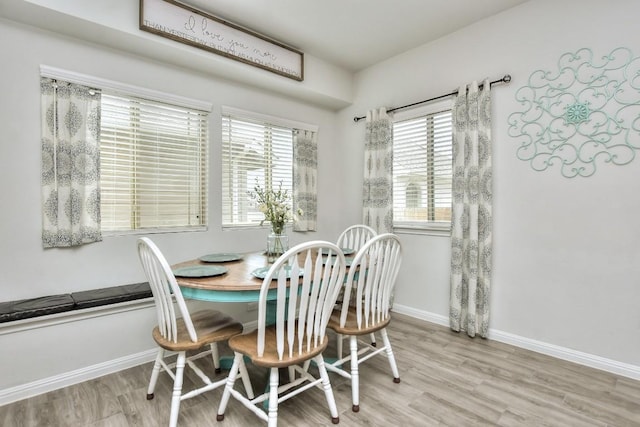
<point x="585" y="114"/>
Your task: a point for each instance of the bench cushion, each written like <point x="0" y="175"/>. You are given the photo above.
<point x="112" y="295"/>
<point x="33" y="307"/>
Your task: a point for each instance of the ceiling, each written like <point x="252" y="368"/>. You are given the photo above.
<point x="353" y="34"/>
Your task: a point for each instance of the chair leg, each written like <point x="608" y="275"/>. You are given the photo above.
<point x="373" y="339"/>
<point x="154" y="374"/>
<point x="274" y="379"/>
<point x="390" y="356"/>
<point x="355" y="379"/>
<point x="177" y="389"/>
<point x="328" y="391"/>
<point x="246" y="381"/>
<point x="339" y="338"/>
<point x="216" y="356"/>
<point x="231" y="380"/>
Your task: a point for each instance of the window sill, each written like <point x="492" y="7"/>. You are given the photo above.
<point x="145" y="231"/>
<point x="440" y="230"/>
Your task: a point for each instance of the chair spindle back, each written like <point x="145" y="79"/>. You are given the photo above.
<point x="371" y="280"/>
<point x="355" y="236"/>
<point x="308" y="277"/>
<point x="164" y="288"/>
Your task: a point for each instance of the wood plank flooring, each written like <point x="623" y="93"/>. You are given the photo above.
<point x="448" y="379"/>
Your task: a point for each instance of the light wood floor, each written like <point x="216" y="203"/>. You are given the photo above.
<point x="448" y="379"/>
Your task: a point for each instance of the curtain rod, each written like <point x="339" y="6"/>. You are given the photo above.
<point x="505" y="79"/>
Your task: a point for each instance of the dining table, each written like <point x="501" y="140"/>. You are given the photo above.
<point x="224" y="277"/>
<point x="228" y="278"/>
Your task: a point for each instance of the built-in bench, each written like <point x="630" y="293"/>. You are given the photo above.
<point x="53" y="304"/>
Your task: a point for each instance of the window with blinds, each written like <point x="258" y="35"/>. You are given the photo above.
<point x="254" y="151"/>
<point x="422" y="168"/>
<point x="153" y="165"/>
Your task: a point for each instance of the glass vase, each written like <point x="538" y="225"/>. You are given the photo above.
<point x="277" y="244"/>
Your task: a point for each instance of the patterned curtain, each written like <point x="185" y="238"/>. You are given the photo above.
<point x="70" y="125"/>
<point x="471" y="216"/>
<point x="377" y="203"/>
<point x="305" y="187"/>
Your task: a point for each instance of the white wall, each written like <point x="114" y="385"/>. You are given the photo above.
<point x="566" y="270"/>
<point x="30" y="271"/>
<point x="565" y="251"/>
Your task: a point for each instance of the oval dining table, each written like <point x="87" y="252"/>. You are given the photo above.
<point x="237" y="284"/>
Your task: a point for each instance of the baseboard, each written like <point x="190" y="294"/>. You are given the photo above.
<point x="422" y="315"/>
<point x="249" y="326"/>
<point x="586" y="359"/>
<point x="66" y="379"/>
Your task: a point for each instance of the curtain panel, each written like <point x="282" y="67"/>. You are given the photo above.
<point x="377" y="189"/>
<point x="305" y="186"/>
<point x="70" y="129"/>
<point x="471" y="222"/>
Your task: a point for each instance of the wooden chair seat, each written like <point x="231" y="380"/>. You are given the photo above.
<point x="246" y="344"/>
<point x="210" y="325"/>
<point x="351" y="325"/>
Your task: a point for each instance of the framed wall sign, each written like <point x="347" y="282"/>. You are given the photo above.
<point x="194" y="27"/>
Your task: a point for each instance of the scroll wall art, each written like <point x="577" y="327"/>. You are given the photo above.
<point x="584" y="115"/>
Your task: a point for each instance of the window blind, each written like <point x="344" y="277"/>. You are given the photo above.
<point x="422" y="169"/>
<point x="153" y="165"/>
<point x="253" y="152"/>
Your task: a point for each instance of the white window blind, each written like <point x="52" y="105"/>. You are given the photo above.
<point x="254" y="151"/>
<point x="153" y="165"/>
<point x="422" y="170"/>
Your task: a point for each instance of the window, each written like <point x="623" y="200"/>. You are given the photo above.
<point x="422" y="167"/>
<point x="256" y="149"/>
<point x="153" y="156"/>
<point x="153" y="165"/>
<point x="413" y="195"/>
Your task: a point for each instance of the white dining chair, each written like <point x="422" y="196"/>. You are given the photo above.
<point x="179" y="331"/>
<point x="354" y="237"/>
<point x="305" y="280"/>
<point x="366" y="308"/>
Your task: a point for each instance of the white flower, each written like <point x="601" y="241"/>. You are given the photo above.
<point x="275" y="206"/>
